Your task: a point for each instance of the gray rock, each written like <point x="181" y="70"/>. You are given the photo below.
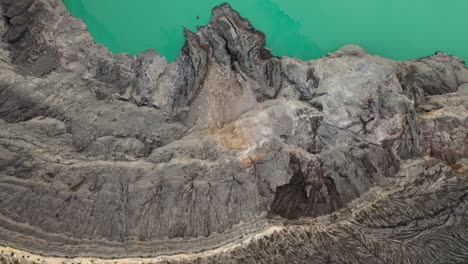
<point x="463" y="89"/>
<point x="7" y="158"/>
<point x="226" y="155"/>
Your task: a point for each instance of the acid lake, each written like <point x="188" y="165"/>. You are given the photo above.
<point x="307" y="29"/>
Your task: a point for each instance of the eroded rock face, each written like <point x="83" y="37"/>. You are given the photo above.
<point x="222" y="151"/>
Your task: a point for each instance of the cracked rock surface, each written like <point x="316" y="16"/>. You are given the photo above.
<point x="226" y="155"/>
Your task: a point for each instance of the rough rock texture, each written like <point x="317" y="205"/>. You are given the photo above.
<point x="226" y="155"/>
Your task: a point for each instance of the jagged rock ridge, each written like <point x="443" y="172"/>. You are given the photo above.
<point x="113" y="156"/>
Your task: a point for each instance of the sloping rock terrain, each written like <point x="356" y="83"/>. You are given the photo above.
<point x="226" y="155"/>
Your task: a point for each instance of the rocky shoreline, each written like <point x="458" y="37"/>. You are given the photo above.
<point x="226" y="155"/>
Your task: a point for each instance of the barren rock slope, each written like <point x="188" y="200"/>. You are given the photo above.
<point x="226" y="155"/>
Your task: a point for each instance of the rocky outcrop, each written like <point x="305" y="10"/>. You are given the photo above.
<point x="228" y="154"/>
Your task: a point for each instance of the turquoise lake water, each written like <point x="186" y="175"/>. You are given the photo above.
<point x="307" y="29"/>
